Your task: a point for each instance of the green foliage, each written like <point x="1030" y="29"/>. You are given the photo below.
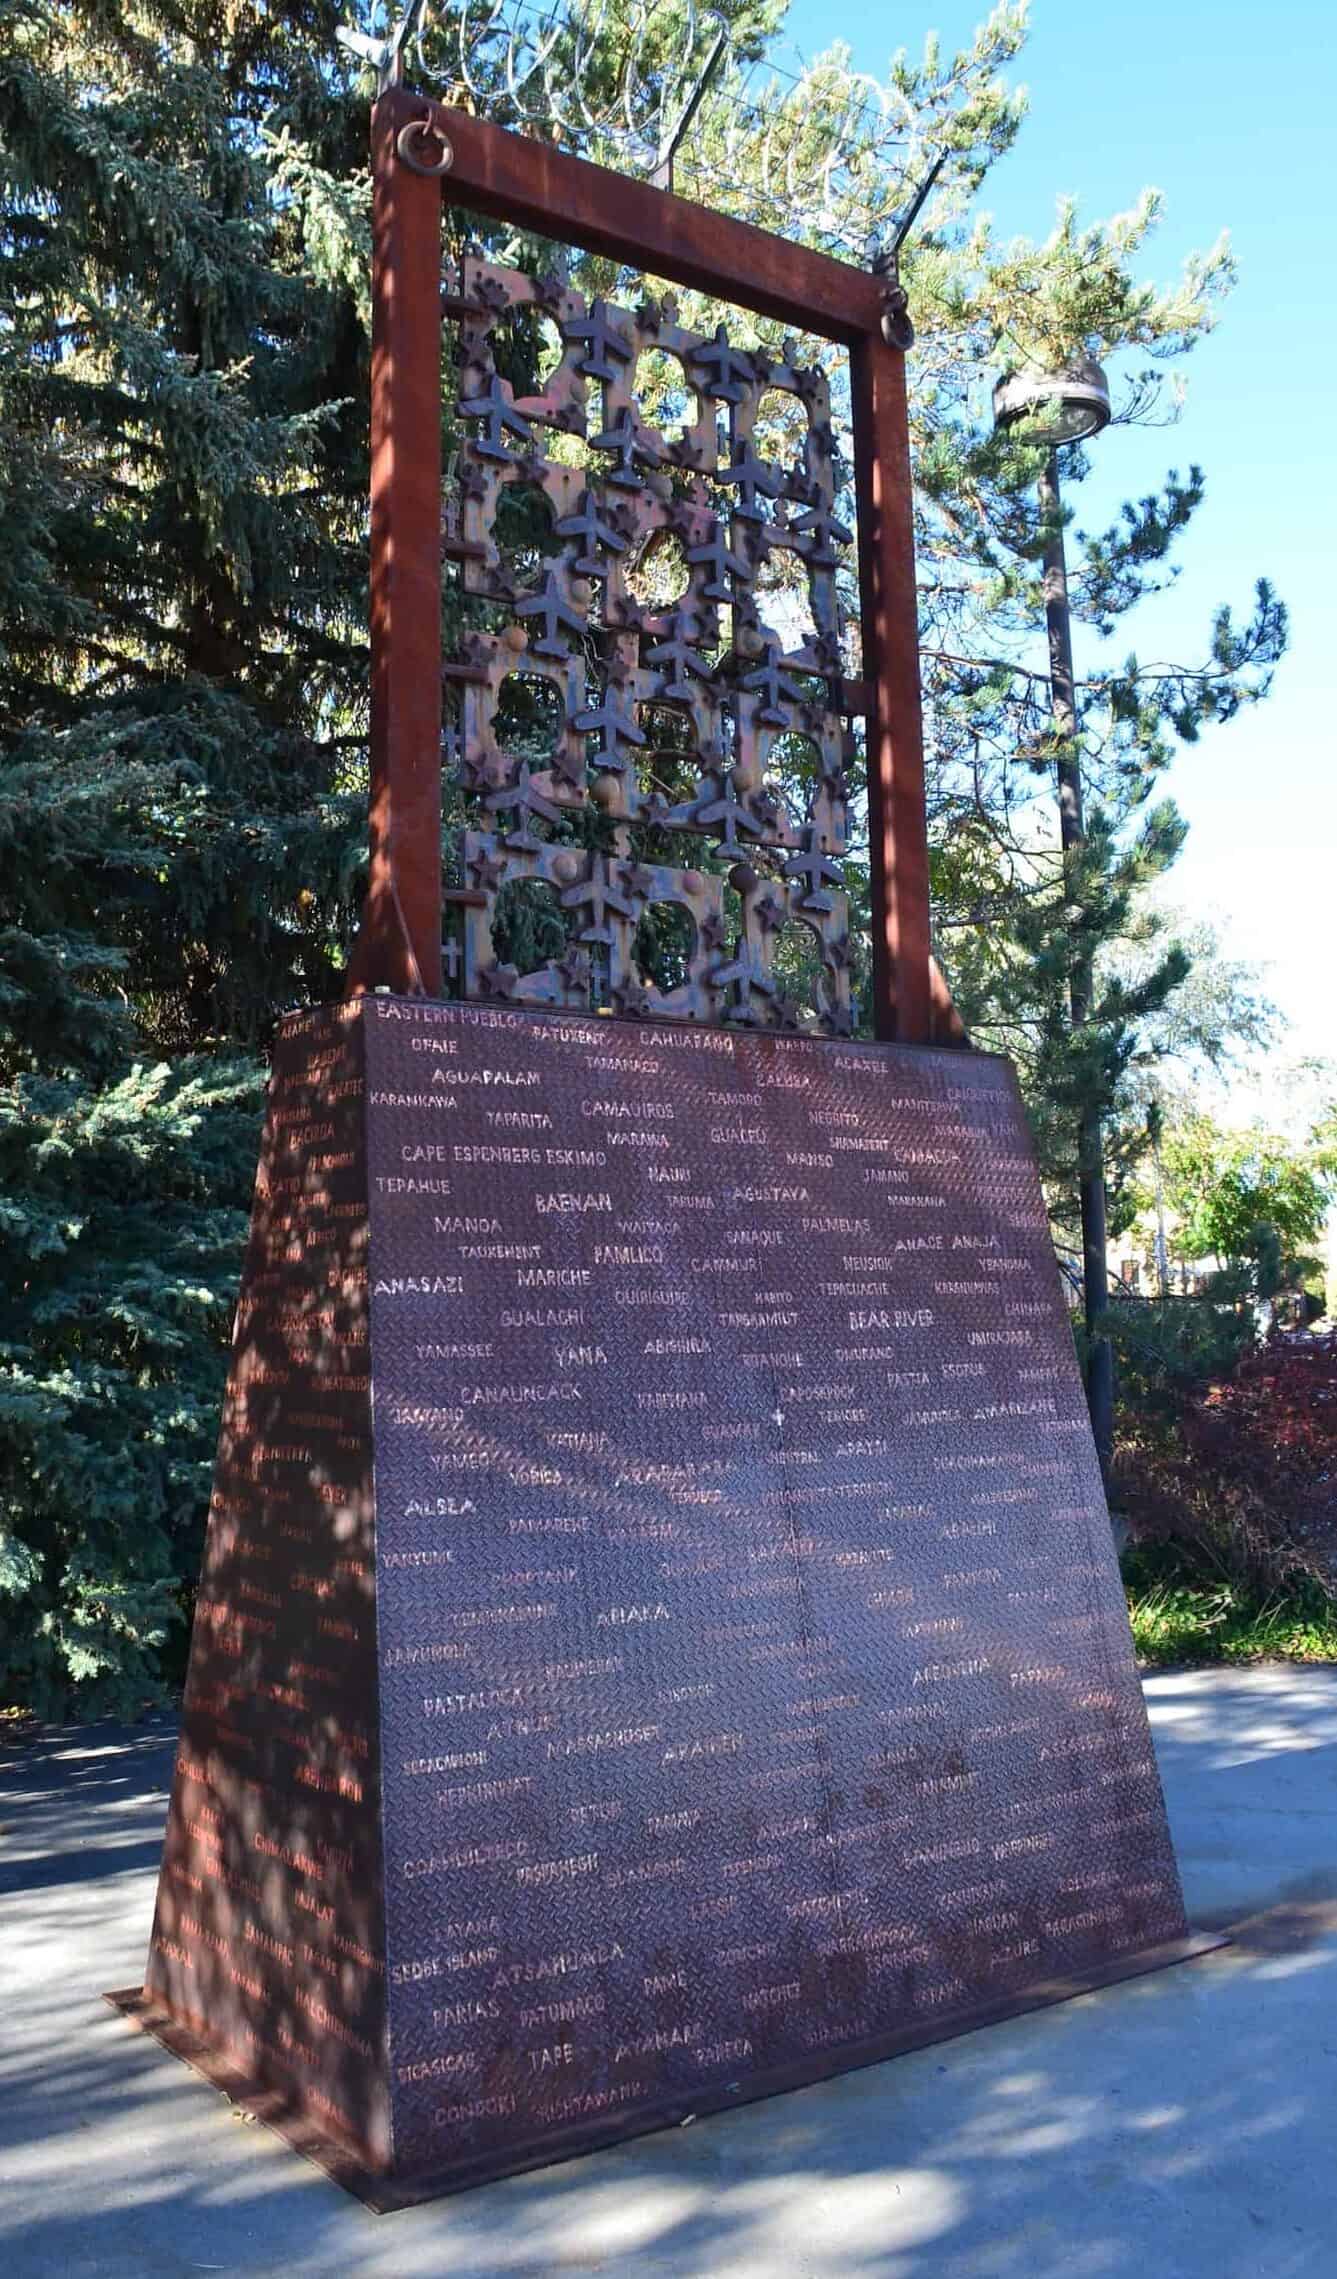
<point x="1169" y="1347"/>
<point x="1022" y="927"/>
<point x="1250" y="1198"/>
<point x="122" y="1219"/>
<point x="1176" y="1621"/>
<point x="182" y="661"/>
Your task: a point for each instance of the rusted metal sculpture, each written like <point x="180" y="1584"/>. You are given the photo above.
<point x="659" y="1639"/>
<point x="609" y="488"/>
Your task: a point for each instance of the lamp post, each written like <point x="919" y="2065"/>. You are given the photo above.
<point x="1053" y="409"/>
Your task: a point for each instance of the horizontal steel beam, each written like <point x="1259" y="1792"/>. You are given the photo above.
<point x="516" y="178"/>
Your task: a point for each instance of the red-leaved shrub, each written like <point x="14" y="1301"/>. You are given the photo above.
<point x="1271" y="1429"/>
<point x="1240" y="1476"/>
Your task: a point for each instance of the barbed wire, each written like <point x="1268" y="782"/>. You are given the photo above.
<point x="547" y="63"/>
<point x="612" y="77"/>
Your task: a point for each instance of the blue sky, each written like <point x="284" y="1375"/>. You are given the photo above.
<point x="1228" y="110"/>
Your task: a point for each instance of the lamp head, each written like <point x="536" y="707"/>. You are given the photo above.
<point x="1063" y="406"/>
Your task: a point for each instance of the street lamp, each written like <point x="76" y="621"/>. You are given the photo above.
<point x="1053" y="409"/>
<point x="1059" y="407"/>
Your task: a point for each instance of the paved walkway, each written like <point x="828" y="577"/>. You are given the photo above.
<point x="1178" y="2125"/>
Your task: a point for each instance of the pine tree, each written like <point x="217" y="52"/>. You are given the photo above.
<point x="1018" y="918"/>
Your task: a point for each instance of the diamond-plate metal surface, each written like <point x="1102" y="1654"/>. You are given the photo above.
<point x="756" y="1681"/>
<point x="268" y="1938"/>
<point x="739" y="666"/>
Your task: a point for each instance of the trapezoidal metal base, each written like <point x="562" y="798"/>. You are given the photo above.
<point x="659" y="1639"/>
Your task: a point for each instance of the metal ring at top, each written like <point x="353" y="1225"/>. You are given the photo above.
<point x="423" y="132"/>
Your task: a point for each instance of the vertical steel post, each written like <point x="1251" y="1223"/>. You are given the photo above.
<point x="1162" y="1253"/>
<point x="1072" y="833"/>
<point x="400" y="941"/>
<point x="897" y="825"/>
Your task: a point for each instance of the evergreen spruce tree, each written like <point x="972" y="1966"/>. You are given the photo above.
<point x="182" y="453"/>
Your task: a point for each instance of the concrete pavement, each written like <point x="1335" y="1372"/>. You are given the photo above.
<point x="1177" y="2125"/>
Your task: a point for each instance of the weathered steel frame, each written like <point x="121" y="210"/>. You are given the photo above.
<point x="519" y="180"/>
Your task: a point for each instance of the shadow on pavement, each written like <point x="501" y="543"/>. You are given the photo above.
<point x="1179" y="2124"/>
